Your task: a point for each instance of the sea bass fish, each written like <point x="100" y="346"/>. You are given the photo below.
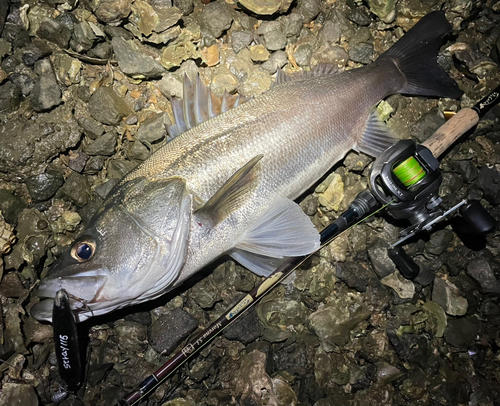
<point x="226" y="184"/>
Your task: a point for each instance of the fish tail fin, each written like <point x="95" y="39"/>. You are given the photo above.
<point x="415" y="55"/>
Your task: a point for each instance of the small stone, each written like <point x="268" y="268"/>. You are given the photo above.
<point x="107" y="107"/>
<point x="137" y="150"/>
<point x="42" y="187"/>
<point x="103" y="189"/>
<point x="330" y="54"/>
<point x="292" y="24"/>
<point x="211" y="55"/>
<point x="10" y="206"/>
<point x="216" y="17"/>
<point x="276" y="61"/>
<point x="94" y="164"/>
<point x="303" y="55"/>
<point x="360" y="16"/>
<point x="447" y="295"/>
<point x="259" y="53"/>
<point x="404" y="288"/>
<point x="76" y="189"/>
<point x="53" y="31"/>
<point x="10" y="97"/>
<point x="18" y="394"/>
<point x="354" y="274"/>
<point x="103" y="145"/>
<point x="35" y="51"/>
<point x="24" y="82"/>
<point x="185" y="5"/>
<point x="83" y="37"/>
<point x="257" y="83"/>
<point x="240" y="40"/>
<point x="332" y="196"/>
<point x="112" y="11"/>
<point x="309" y="9"/>
<point x="91" y="127"/>
<point x="488" y="180"/>
<point x="384" y="9"/>
<point x="247" y="329"/>
<point x="166" y="333"/>
<point x="439" y="315"/>
<point x="480" y="270"/>
<point x="153" y="129"/>
<point x="102" y="50"/>
<point x="380" y="258"/>
<point x="275" y="40"/>
<point x="361" y="52"/>
<point x="461" y="333"/>
<point x="134" y="63"/>
<point x="118" y="168"/>
<point x="46" y="93"/>
<point x="439" y="241"/>
<point x="266" y="7"/>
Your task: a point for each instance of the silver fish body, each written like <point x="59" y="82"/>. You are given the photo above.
<point x="168" y="218"/>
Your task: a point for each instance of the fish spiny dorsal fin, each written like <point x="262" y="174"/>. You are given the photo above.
<point x="232" y="194"/>
<point x="199" y="104"/>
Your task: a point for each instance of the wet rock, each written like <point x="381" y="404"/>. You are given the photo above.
<point x="333" y="322"/>
<point x="488" y="180"/>
<point x="216" y="18"/>
<point x="134" y="63"/>
<point x="24" y="82"/>
<point x="447" y="295"/>
<point x="67" y="69"/>
<point x="112" y="11"/>
<point x="329" y="378"/>
<point x="46" y="93"/>
<point x="166" y="333"/>
<point x="185" y="5"/>
<point x="309" y="9"/>
<point x="83" y="37"/>
<point x="438" y="242"/>
<point x="118" y="168"/>
<point x="403" y="287"/>
<point x="154" y="16"/>
<point x="137" y="150"/>
<point x="247" y="329"/>
<point x="20" y="394"/>
<point x="384" y="9"/>
<point x="480" y="270"/>
<point x="292" y="358"/>
<point x="276" y="61"/>
<point x="360" y="16"/>
<point x="292" y="24"/>
<point x="10" y="206"/>
<point x="361" y="52"/>
<point x="259" y="53"/>
<point x="16" y="35"/>
<point x="461" y="333"/>
<point x="103" y="189"/>
<point x="10" y="97"/>
<point x="101" y="51"/>
<point x="240" y="40"/>
<point x="330" y="54"/>
<point x="331" y="192"/>
<point x="182" y="48"/>
<point x="354" y="274"/>
<point x="380" y="258"/>
<point x="35" y="51"/>
<point x="4" y="10"/>
<point x="278" y="316"/>
<point x="76" y="189"/>
<point x="44" y="186"/>
<point x="266" y="7"/>
<point x="131" y="336"/>
<point x="107" y="107"/>
<point x="103" y="145"/>
<point x="92" y="128"/>
<point x="53" y="31"/>
<point x="303" y="54"/>
<point x="275" y="40"/>
<point x="153" y="129"/>
<point x="438" y="322"/>
<point x="427" y="124"/>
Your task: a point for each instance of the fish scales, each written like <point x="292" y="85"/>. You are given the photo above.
<point x="228" y="184"/>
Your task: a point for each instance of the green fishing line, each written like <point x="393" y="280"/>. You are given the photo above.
<point x="409" y="171"/>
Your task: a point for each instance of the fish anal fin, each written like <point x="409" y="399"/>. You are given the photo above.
<point x="283" y="231"/>
<point x="232" y="194"/>
<point x="377" y="136"/>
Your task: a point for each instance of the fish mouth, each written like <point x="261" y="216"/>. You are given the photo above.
<point x="82" y="290"/>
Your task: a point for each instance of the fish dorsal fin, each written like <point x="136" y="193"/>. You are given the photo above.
<point x="377" y="136"/>
<point x="321" y="69"/>
<point x="283" y="231"/>
<point x="232" y="194"/>
<point x="199" y="104"/>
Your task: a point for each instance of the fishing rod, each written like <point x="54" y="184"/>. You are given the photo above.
<point x="404" y="179"/>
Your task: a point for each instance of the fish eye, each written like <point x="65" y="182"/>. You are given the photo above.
<point x="83" y="250"/>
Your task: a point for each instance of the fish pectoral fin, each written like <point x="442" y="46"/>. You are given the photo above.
<point x="377" y="136"/>
<point x="232" y="194"/>
<point x="283" y="231"/>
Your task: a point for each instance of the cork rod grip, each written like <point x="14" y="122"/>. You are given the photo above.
<point x="451" y="131"/>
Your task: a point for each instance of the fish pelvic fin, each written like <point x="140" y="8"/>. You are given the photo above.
<point x="377" y="136"/>
<point x="283" y="231"/>
<point x="232" y="194"/>
<point x="199" y="104"/>
<point x="415" y="55"/>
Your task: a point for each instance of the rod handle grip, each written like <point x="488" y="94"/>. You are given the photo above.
<point x="451" y="131"/>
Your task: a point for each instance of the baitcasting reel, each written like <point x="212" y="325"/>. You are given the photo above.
<point x="407" y="178"/>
